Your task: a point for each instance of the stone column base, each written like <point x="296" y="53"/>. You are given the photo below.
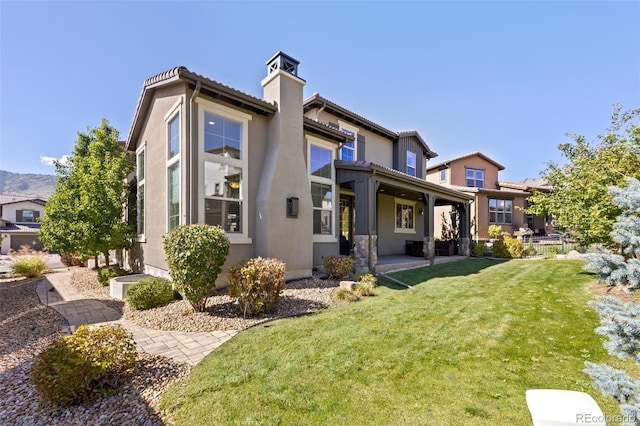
<point x="465" y="246"/>
<point x="365" y="252"/>
<point x="429" y="248"/>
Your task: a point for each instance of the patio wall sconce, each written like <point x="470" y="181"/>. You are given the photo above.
<point x="420" y="212"/>
<point x="292" y="206"/>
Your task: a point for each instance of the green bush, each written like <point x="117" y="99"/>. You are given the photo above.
<point x="478" y="248"/>
<point x="501" y="250"/>
<point x="195" y="255"/>
<point x="107" y="272"/>
<point x="28" y="266"/>
<point x="495" y="231"/>
<point x="365" y="285"/>
<point x="84" y="366"/>
<point x="345" y="295"/>
<point x="150" y="293"/>
<point x="508" y="248"/>
<point x="337" y="266"/>
<point x="257" y="284"/>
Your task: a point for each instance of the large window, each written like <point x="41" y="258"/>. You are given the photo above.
<point x="475" y="178"/>
<point x="140" y="174"/>
<point x="173" y="169"/>
<point x="500" y="211"/>
<point x="411" y="163"/>
<point x="348" y="150"/>
<point x="405" y="216"/>
<point x="223" y="179"/>
<point x="320" y="158"/>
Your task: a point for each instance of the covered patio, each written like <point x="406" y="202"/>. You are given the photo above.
<point x="393" y="263"/>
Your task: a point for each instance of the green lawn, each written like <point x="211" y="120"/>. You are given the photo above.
<point x="461" y="348"/>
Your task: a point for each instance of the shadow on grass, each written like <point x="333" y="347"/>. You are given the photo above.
<point x="416" y="276"/>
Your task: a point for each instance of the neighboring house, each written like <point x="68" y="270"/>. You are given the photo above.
<point x="285" y="177"/>
<point x="19" y="222"/>
<point x="495" y="202"/>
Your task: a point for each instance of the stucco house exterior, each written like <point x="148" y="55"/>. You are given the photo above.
<point x="495" y="202"/>
<point x="286" y="177"/>
<point x="19" y="222"/>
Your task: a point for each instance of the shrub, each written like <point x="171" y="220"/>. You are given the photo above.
<point x="107" y="272"/>
<point x="500" y="249"/>
<point x="195" y="255"/>
<point x="257" y="283"/>
<point x="345" y="295"/>
<point x="337" y="266"/>
<point x="478" y="248"/>
<point x="365" y="285"/>
<point x="508" y="248"/>
<point x="72" y="259"/>
<point x="150" y="293"/>
<point x="495" y="231"/>
<point x="28" y="266"/>
<point x="85" y="365"/>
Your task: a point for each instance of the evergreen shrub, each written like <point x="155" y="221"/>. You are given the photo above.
<point x="107" y="272"/>
<point x="149" y="293"/>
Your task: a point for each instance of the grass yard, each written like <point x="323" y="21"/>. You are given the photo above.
<point x="462" y="348"/>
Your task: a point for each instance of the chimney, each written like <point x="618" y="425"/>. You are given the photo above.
<point x="284" y="215"/>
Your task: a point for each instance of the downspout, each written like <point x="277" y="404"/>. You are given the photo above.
<point x="194" y="95"/>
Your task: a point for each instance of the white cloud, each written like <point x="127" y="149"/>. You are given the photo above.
<point x="50" y="161"/>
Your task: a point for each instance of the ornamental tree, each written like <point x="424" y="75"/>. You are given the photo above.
<point x="578" y="200"/>
<point x="85" y="212"/>
<point x="620" y="322"/>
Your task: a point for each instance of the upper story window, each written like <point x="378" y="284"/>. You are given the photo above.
<point x="475" y="178"/>
<point x="348" y="150"/>
<point x="28" y="216"/>
<point x="140" y="173"/>
<point x="173" y="167"/>
<point x="223" y="145"/>
<point x="411" y="163"/>
<point x="320" y="165"/>
<point x="500" y="211"/>
<point x="443" y="175"/>
<point x="405" y="216"/>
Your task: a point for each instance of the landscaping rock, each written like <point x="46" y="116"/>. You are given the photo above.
<point x="349" y="285"/>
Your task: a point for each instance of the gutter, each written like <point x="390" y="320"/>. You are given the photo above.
<point x="194" y="95"/>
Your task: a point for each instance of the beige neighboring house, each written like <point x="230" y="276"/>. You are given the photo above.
<point x="495" y="202"/>
<point x="286" y="177"/>
<point x="19" y="222"/>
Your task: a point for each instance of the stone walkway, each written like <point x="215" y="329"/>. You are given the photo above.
<point x="56" y="291"/>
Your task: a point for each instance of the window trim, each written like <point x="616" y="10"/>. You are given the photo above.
<point x="142" y="149"/>
<point x="311" y="140"/>
<point x="412" y="204"/>
<point x="466" y="179"/>
<point x="175" y="112"/>
<point x="503" y="212"/>
<point x="242" y="163"/>
<point x="415" y="164"/>
<point x="346" y="126"/>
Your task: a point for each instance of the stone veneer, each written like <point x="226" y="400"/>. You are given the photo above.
<point x="429" y="248"/>
<point x="365" y="249"/>
<point x="465" y="246"/>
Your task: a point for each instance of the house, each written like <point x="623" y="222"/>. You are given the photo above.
<point x="19" y="222"/>
<point x="495" y="202"/>
<point x="286" y="177"/>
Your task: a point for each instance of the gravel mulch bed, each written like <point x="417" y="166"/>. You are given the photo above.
<point x="27" y="327"/>
<point x="298" y="298"/>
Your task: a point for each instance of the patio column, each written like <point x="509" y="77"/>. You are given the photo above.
<point x="365" y="240"/>
<point x="428" y="240"/>
<point x="465" y="226"/>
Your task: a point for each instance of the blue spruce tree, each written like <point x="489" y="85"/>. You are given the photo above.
<point x="620" y="322"/>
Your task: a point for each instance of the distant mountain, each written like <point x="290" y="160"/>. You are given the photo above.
<point x="26" y="184"/>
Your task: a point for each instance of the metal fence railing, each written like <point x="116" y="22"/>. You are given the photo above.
<point x="547" y="246"/>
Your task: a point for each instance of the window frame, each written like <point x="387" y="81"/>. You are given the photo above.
<point x="175" y="161"/>
<point x="415" y="164"/>
<point x="440" y="173"/>
<point x="313" y="141"/>
<point x="474" y="179"/>
<point x="242" y="163"/>
<point x="351" y="129"/>
<point x="407" y="203"/>
<point x="140" y="182"/>
<point x="500" y="210"/>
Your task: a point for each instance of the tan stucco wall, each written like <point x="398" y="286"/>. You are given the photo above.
<point x="9" y="210"/>
<point x="481" y="210"/>
<point x="458" y="174"/>
<point x="390" y="242"/>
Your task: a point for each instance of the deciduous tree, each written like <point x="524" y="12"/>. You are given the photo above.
<point x="578" y="201"/>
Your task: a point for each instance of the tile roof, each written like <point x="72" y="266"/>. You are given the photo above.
<point x="489" y="190"/>
<point x="415" y="134"/>
<point x="471" y="154"/>
<point x="11" y="199"/>
<point x="526" y="184"/>
<point x="17" y="228"/>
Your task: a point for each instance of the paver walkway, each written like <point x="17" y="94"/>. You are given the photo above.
<point x="56" y="291"/>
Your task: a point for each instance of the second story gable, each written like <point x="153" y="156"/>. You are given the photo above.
<point x="404" y="151"/>
<point x="22" y="210"/>
<point x="473" y="170"/>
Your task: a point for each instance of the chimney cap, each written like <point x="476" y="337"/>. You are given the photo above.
<point x="284" y="62"/>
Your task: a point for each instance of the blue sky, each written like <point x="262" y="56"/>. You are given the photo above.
<point x="509" y="79"/>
